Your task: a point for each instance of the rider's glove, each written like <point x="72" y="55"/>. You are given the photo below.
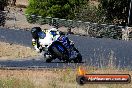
<point x="33" y="42"/>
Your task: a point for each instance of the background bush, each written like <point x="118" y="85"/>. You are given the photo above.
<point x="54" y="8"/>
<point x="90" y="12"/>
<point x="106" y="11"/>
<point x="116" y="10"/>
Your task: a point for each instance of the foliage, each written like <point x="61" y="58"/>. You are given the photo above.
<point x="115" y="9"/>
<point x="88" y="13"/>
<point x="54" y="8"/>
<point x="91" y="13"/>
<point x="108" y="11"/>
<point x="3" y="3"/>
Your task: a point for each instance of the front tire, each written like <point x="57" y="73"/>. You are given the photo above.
<point x="48" y="58"/>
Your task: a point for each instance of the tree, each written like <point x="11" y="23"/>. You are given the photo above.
<point x="90" y="12"/>
<point x="54" y="8"/>
<point x="115" y="9"/>
<point x="3" y="3"/>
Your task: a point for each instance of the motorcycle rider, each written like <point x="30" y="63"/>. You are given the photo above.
<point x="37" y="33"/>
<point x="50" y="35"/>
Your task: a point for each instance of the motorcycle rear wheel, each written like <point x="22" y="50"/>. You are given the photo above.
<point x="78" y="59"/>
<point x="60" y="55"/>
<point x="48" y="60"/>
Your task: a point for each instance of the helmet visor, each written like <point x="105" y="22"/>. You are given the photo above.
<point x="41" y="35"/>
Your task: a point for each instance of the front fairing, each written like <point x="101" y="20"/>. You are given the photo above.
<point x="46" y="42"/>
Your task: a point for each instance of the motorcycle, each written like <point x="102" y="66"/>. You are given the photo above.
<point x="61" y="50"/>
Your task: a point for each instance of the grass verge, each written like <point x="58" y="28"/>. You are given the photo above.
<point x="12" y="51"/>
<point x="55" y="78"/>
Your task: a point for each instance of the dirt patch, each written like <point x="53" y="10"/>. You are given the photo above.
<point x="10" y="51"/>
<point x="22" y="2"/>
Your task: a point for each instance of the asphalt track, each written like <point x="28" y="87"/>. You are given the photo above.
<point x="95" y="51"/>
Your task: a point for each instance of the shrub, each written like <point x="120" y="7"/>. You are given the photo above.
<point x="54" y="8"/>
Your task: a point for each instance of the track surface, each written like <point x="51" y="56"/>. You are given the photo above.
<point x="95" y="52"/>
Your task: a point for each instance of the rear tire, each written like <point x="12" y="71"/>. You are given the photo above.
<point x="55" y="51"/>
<point x="78" y="59"/>
<point x="63" y="56"/>
<point x="48" y="60"/>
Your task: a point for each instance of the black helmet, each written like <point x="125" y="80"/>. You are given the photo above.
<point x="36" y="29"/>
<point x="34" y="32"/>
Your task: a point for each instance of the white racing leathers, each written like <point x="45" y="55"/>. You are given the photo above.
<point x="47" y="41"/>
